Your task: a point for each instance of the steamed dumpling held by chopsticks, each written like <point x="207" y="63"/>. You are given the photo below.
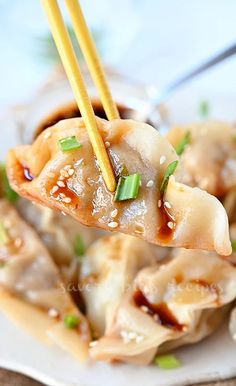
<point x="60" y="170"/>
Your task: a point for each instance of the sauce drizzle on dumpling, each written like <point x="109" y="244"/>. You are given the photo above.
<point x="160" y="312"/>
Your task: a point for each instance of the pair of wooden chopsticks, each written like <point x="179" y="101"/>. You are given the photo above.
<point x="71" y="66"/>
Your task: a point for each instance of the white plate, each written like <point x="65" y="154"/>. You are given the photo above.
<point x="212" y="359"/>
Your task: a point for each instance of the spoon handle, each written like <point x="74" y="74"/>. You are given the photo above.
<point x="172" y="86"/>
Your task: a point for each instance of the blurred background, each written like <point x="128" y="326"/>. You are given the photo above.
<point x="149" y="41"/>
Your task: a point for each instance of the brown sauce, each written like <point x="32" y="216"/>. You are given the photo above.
<point x="165" y="316"/>
<point x="165" y="233"/>
<point x="62" y="193"/>
<point x="72" y="111"/>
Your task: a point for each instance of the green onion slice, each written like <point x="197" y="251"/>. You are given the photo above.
<point x="127" y="187"/>
<point x="167" y="362"/>
<point x="69" y="143"/>
<point x="5" y="188"/>
<point x="169" y="171"/>
<point x="233" y="243"/>
<point x="71" y="321"/>
<point x="79" y="246"/>
<point x="204" y="109"/>
<point x="180" y="147"/>
<point x="4" y="239"/>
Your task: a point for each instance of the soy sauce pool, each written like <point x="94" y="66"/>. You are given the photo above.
<point x="71" y="111"/>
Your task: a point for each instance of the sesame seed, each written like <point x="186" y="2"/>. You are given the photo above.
<point x="107" y="144"/>
<point x="132" y="335"/>
<point x="124" y="335"/>
<point x="64" y="173"/>
<point x="61" y="178"/>
<point x="150" y="183"/>
<point x="159" y="203"/>
<point x="54" y="189"/>
<point x="114" y="213"/>
<point x="64" y="214"/>
<point x="61" y="184"/>
<point x="128" y="336"/>
<point x="67" y="200"/>
<point x="71" y="172"/>
<point x="170" y="224"/>
<point x="162" y="159"/>
<point x="93" y="343"/>
<point x="167" y="204"/>
<point x="61" y="195"/>
<point x="113" y="224"/>
<point x="144" y="308"/>
<point x="47" y="135"/>
<point x="139" y="339"/>
<point x="53" y="313"/>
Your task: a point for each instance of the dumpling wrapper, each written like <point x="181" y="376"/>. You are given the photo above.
<point x="59" y="233"/>
<point x="107" y="272"/>
<point x="208" y="161"/>
<point x="232" y="324"/>
<point x="195" y="219"/>
<point x="31" y="286"/>
<point x="168" y="306"/>
<point x="209" y="321"/>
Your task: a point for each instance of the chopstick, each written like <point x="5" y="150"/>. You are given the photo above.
<point x="71" y="66"/>
<point x="89" y="51"/>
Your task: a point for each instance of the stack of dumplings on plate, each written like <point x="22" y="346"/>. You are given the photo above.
<point x="165" y="277"/>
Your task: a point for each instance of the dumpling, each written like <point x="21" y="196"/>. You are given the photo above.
<point x="229" y="203"/>
<point x="59" y="233"/>
<point x="168" y="214"/>
<point x="232" y="324"/>
<point x="31" y="291"/>
<point x="208" y="161"/>
<point x="167" y="304"/>
<point x="107" y="271"/>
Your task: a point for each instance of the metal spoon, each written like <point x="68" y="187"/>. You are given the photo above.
<point x="158" y="96"/>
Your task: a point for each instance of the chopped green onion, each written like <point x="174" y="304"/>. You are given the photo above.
<point x="167" y="362"/>
<point x="71" y="321"/>
<point x="79" y="246"/>
<point x="204" y="109"/>
<point x="169" y="171"/>
<point x="5" y="188"/>
<point x="233" y="244"/>
<point x="4" y="239"/>
<point x="127" y="187"/>
<point x="180" y="147"/>
<point x="69" y="143"/>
